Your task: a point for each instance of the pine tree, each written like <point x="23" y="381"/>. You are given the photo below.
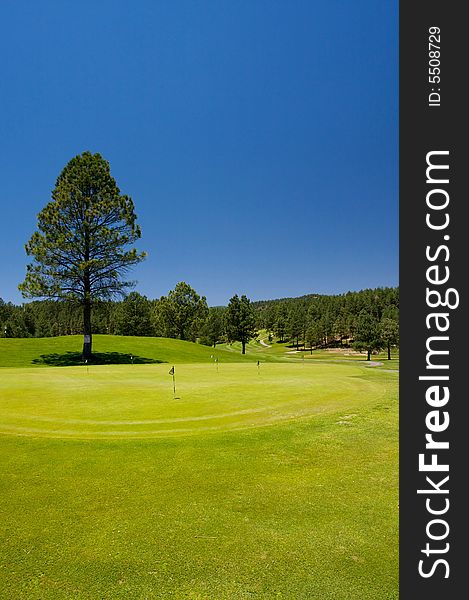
<point x="81" y="248"/>
<point x="240" y="324"/>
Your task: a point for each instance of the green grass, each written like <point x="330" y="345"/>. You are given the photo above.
<point x="277" y="483"/>
<point x="23" y="352"/>
<point x="281" y="351"/>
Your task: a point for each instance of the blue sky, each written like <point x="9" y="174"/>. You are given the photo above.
<point x="258" y="139"/>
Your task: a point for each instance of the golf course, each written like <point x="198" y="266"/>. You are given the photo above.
<point x="266" y="475"/>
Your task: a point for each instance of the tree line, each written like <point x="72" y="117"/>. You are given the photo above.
<point x="366" y="320"/>
<point x="83" y="249"/>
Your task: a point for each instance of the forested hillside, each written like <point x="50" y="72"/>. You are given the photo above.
<point x="368" y="319"/>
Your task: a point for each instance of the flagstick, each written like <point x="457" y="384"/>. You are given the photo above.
<point x="174" y="382"/>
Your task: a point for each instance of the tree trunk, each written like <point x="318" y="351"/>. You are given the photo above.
<point x="368" y="354"/>
<point x="87" y="340"/>
<point x="243" y="343"/>
<point x="389" y="351"/>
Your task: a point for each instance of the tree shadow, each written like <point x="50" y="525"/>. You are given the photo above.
<point x="69" y="359"/>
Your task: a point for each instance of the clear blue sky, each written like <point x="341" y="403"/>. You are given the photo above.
<point x="258" y="139"/>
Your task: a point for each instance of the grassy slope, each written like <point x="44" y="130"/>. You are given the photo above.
<point x="275" y="351"/>
<point x="303" y="508"/>
<point x="22" y="352"/>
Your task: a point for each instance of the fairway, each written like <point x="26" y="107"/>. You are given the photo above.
<point x="277" y="481"/>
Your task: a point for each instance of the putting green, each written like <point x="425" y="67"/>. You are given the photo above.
<point x="123" y="401"/>
<point x="277" y="483"/>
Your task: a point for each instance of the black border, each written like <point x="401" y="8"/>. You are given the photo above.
<point x="424" y="128"/>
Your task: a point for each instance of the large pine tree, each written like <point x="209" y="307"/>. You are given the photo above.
<point x="81" y="247"/>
